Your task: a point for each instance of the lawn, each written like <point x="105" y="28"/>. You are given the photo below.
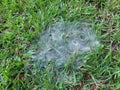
<point x="22" y="23"/>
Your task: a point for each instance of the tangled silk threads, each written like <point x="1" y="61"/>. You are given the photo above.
<point x="63" y="45"/>
<point x="63" y="40"/>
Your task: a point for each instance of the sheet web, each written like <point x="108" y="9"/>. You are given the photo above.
<point x="63" y="41"/>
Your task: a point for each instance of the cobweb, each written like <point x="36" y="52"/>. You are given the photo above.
<point x="64" y="40"/>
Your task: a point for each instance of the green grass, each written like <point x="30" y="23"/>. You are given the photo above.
<point x="21" y="21"/>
